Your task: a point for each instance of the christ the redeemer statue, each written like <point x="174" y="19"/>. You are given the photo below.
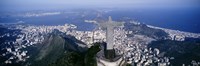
<point x="109" y="26"/>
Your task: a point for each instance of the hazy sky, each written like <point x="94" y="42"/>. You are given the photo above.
<point x="59" y="4"/>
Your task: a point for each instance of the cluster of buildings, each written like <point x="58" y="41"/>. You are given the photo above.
<point x="133" y="49"/>
<point x="31" y="35"/>
<point x="137" y="55"/>
<point x="176" y="34"/>
<point x="28" y="36"/>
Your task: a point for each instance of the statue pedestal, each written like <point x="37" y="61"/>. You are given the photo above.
<point x="108" y="58"/>
<point x="106" y="62"/>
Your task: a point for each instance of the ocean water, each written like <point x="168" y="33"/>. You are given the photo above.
<point x="185" y="19"/>
<point x="52" y="20"/>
